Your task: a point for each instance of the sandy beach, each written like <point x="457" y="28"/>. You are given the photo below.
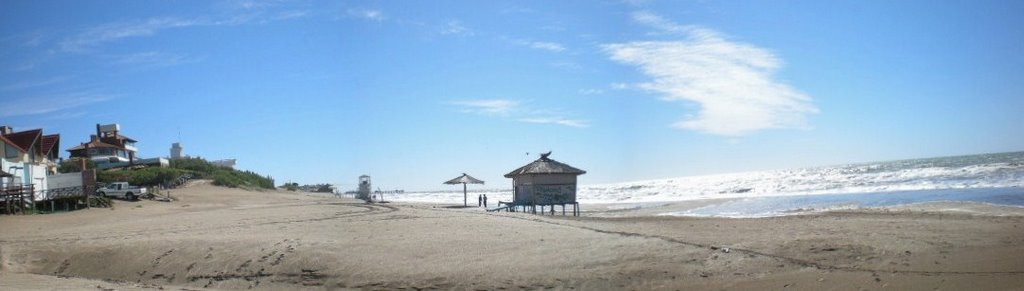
<point x="231" y="239"/>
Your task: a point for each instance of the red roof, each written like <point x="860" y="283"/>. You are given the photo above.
<point x="50" y="142"/>
<point x="93" y="144"/>
<point x="7" y="141"/>
<point x="25" y="139"/>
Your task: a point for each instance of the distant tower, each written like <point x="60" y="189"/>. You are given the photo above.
<point x="364" y="188"/>
<point x="176" y="151"/>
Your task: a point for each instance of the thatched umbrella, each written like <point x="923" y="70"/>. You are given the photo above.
<point x="464" y="179"/>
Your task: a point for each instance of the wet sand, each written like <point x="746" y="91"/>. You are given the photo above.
<point x="230" y="239"/>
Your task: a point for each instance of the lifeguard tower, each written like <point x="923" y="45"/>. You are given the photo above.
<point x="364" y="188"/>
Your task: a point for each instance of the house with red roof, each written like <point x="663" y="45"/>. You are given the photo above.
<point x="28" y="157"/>
<point x="108" y="148"/>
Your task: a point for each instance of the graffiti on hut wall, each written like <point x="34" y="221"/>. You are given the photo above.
<point x="554" y="194"/>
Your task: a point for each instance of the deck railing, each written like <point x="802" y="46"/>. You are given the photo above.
<point x="17" y="199"/>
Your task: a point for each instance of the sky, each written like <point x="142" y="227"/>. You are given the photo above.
<point x="414" y="93"/>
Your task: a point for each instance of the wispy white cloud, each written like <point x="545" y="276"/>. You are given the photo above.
<point x="26" y="66"/>
<point x="26" y="39"/>
<point x="153" y="59"/>
<point x="455" y="27"/>
<point x="590" y="91"/>
<point x="550" y="46"/>
<point x="252" y="4"/>
<point x="732" y="82"/>
<point x="618" y="86"/>
<point x="556" y="27"/>
<point x="505" y="108"/>
<point x="33" y="83"/>
<point x="293" y="14"/>
<point x="488" y="106"/>
<point x="66" y="115"/>
<point x="636" y="2"/>
<point x="567" y="65"/>
<point x="368" y="14"/>
<point x="49" y="104"/>
<point x="557" y="121"/>
<point x="114" y="31"/>
<point x="244" y="12"/>
<point x="541" y="45"/>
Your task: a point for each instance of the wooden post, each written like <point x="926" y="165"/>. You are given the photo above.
<point x="32" y="195"/>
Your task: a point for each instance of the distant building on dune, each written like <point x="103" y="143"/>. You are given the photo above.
<point x="107" y="146"/>
<point x="109" y="149"/>
<point x="545" y="183"/>
<point x="177" y="151"/>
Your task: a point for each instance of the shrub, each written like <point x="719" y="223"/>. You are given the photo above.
<point x="196" y="168"/>
<point x="142" y="177"/>
<point x="72" y="165"/>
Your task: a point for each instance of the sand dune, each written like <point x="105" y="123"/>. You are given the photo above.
<point x="220" y="238"/>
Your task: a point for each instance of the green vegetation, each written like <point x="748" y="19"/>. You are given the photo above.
<point x="232" y="178"/>
<point x="291" y="186"/>
<point x="72" y="165"/>
<point x="191" y="168"/>
<point x="150" y="176"/>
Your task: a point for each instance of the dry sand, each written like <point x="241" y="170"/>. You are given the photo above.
<point x="219" y="238"/>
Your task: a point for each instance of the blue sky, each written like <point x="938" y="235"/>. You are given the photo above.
<point x="417" y="92"/>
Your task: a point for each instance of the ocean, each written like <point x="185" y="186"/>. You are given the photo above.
<point x="986" y="178"/>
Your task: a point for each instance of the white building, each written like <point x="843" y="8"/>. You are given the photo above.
<point x="176" y="151"/>
<point x="27" y="158"/>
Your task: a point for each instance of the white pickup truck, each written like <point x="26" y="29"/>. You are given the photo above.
<point x="121" y="190"/>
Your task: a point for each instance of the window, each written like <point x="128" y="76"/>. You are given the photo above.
<point x="10" y="152"/>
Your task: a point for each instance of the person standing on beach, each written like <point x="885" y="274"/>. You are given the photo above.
<point x="479" y="200"/>
<point x="485" y="200"/>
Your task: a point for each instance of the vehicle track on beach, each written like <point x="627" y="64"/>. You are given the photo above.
<point x="793" y="260"/>
<point x="368" y="210"/>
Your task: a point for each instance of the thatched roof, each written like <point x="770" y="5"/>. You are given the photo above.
<point x="467" y="179"/>
<point x="544" y="165"/>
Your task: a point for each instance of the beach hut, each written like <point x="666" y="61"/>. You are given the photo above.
<point x="545" y="183"/>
